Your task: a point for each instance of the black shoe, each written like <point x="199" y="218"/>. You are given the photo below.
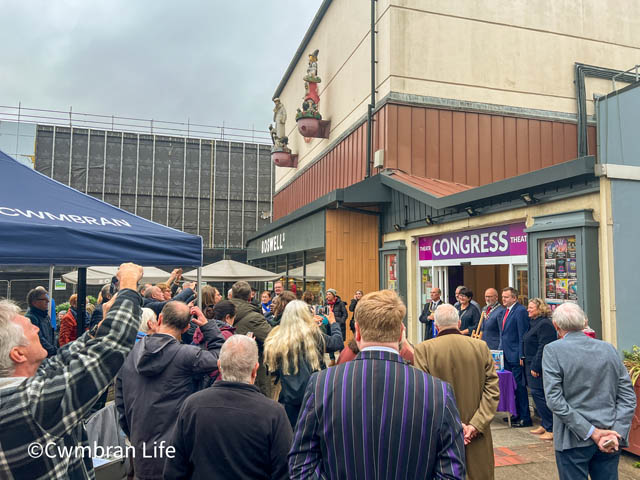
<point x="513" y="419"/>
<point x="521" y="424"/>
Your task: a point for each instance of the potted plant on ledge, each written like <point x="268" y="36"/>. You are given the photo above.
<point x="632" y="362"/>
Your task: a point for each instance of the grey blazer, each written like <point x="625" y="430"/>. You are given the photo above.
<point x="586" y="384"/>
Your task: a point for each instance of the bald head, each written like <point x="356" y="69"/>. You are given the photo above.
<point x="435" y="294"/>
<point x="491" y="296"/>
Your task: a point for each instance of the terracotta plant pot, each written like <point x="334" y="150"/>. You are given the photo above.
<point x="634" y="434"/>
<point x="309" y="127"/>
<point x="284" y="159"/>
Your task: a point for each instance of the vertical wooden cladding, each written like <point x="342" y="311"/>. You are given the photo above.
<point x="342" y="166"/>
<point x="470" y="148"/>
<point x="474" y="148"/>
<point x="351" y="259"/>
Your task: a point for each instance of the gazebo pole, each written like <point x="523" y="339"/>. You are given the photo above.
<point x="82" y="298"/>
<point x="199" y="288"/>
<point x="50" y="290"/>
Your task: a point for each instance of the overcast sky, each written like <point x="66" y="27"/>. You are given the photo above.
<point x="207" y="60"/>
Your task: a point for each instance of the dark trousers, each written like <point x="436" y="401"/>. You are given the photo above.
<point x="522" y="397"/>
<point x="541" y="405"/>
<point x="578" y="463"/>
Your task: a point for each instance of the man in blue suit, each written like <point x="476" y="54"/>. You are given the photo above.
<point x="375" y="416"/>
<point x="493" y="314"/>
<point x="514" y="324"/>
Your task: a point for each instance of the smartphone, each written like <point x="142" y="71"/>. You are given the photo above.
<point x="608" y="443"/>
<point x="113" y="288"/>
<point x="249" y="334"/>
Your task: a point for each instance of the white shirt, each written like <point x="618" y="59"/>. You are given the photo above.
<point x="380" y="349"/>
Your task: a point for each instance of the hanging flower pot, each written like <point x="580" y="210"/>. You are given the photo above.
<point x="309" y="127"/>
<point x="284" y="159"/>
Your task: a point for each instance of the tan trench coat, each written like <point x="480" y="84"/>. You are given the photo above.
<point x="467" y="365"/>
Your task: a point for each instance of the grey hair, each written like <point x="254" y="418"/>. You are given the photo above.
<point x="446" y="316"/>
<point x="238" y="356"/>
<point x="11" y="335"/>
<point x="147" y="314"/>
<point x="569" y="317"/>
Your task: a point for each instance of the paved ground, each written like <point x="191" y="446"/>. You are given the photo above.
<point x="520" y="455"/>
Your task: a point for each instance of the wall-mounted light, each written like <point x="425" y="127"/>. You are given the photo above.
<point x="472" y="212"/>
<point x="528" y="198"/>
<point x="429" y="220"/>
<point x="397" y="227"/>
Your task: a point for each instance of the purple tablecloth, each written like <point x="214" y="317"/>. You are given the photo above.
<point x="507" y="392"/>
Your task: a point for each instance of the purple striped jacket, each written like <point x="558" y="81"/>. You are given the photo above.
<point x="377" y="418"/>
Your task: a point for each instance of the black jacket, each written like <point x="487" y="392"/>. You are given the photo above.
<point x="424" y="318"/>
<point x="230" y="431"/>
<point x="540" y="333"/>
<point x="340" y="311"/>
<point x="469" y="318"/>
<point x="40" y="318"/>
<point x="352" y="309"/>
<point x="156" y="378"/>
<point x="294" y="385"/>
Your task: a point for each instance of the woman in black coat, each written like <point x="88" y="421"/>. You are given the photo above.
<point x="540" y="333"/>
<point x="469" y="314"/>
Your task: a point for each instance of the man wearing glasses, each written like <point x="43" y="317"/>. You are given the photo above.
<point x="38" y="313"/>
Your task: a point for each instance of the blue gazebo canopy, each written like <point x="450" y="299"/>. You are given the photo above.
<point x="43" y="222"/>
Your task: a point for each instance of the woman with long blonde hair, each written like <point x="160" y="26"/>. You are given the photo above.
<point x="295" y="349"/>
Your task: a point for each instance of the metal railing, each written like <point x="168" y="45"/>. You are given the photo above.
<point x="187" y="129"/>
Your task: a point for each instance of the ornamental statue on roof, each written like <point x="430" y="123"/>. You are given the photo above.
<point x="278" y="133"/>
<point x="311" y="97"/>
<point x="280" y="152"/>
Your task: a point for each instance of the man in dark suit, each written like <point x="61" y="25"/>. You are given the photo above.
<point x="428" y="311"/>
<point x="514" y="324"/>
<point x="398" y="423"/>
<point x="493" y="314"/>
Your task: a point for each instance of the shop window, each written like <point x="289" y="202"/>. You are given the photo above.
<point x="391" y="272"/>
<point x="521" y="275"/>
<point x="315" y="281"/>
<point x="295" y="276"/>
<point x="558" y="270"/>
<point x="426" y="284"/>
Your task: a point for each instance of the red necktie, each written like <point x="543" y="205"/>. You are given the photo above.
<point x="488" y="310"/>
<point x="504" y="320"/>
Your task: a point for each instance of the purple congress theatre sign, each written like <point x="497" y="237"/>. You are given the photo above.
<point x="502" y="241"/>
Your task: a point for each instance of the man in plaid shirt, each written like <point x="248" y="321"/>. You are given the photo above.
<point x="43" y="400"/>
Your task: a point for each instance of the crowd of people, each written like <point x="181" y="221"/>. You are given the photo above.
<point x="261" y="385"/>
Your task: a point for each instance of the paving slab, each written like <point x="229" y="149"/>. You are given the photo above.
<point x="522" y="455"/>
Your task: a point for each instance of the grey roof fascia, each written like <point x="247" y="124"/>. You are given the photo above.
<point x="308" y="209"/>
<point x="367" y="191"/>
<point x="563" y="171"/>
<point x="620" y="91"/>
<point x="303" y="45"/>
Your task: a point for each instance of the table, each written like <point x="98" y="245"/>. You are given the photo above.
<point x="507" y="386"/>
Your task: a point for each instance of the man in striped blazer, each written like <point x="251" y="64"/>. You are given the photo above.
<point x="376" y="417"/>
